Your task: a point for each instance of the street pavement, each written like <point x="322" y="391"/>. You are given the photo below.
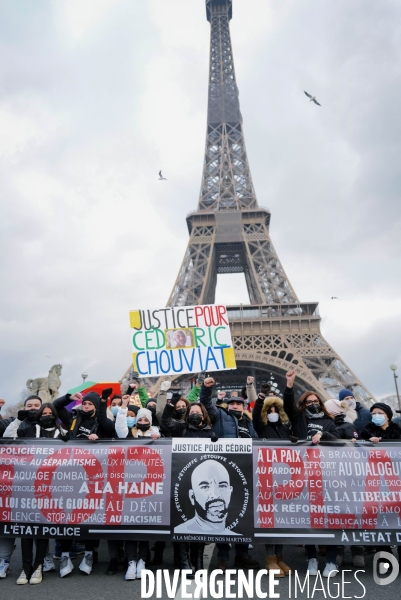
<point x="99" y="586"/>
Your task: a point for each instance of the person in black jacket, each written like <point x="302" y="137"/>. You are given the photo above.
<point x="311" y="421"/>
<point x="196" y="424"/>
<point x="230" y="420"/>
<point x="382" y="426"/>
<point x="271" y="422"/>
<point x="45" y="426"/>
<point x="82" y="422"/>
<point x="344" y="418"/>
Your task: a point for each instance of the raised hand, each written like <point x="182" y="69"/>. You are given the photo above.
<point x="250" y="380"/>
<point x="290" y="375"/>
<point x="209" y="382"/>
<point x="174" y="398"/>
<point x="221" y="395"/>
<point x="106" y="393"/>
<point x="77" y="396"/>
<point x="165" y="385"/>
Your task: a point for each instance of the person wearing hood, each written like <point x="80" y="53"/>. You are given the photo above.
<point x="229" y="420"/>
<point x="311" y="421"/>
<point x="344" y="415"/>
<point x="269" y="417"/>
<point x="363" y="414"/>
<point x="82" y="421"/>
<point x="381" y="427"/>
<point x="272" y="423"/>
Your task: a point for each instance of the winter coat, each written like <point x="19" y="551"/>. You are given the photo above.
<point x="20" y="423"/>
<point x="36" y="431"/>
<point x="224" y="424"/>
<point x="393" y="432"/>
<point x="4" y="424"/>
<point x="73" y="419"/>
<point x="363" y="417"/>
<point x="162" y="400"/>
<point x="182" y="428"/>
<point x="105" y="418"/>
<point x="123" y="431"/>
<point x="305" y="427"/>
<point x="264" y="428"/>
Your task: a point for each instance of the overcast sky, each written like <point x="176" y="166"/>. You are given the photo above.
<point x="97" y="95"/>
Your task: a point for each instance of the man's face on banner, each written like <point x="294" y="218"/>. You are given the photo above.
<point x="211" y="491"/>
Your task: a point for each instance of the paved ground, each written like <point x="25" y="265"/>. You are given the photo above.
<point x="99" y="586"/>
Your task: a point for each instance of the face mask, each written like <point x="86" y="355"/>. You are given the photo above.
<point x="180" y="412"/>
<point x="273" y="417"/>
<point x="352" y="404"/>
<point x="378" y="420"/>
<point x="314" y="409"/>
<point x="114" y="410"/>
<point x="152" y="409"/>
<point x="89" y="413"/>
<point x="131" y="422"/>
<point x="47" y="421"/>
<point x="143" y="426"/>
<point x="237" y="413"/>
<point x="195" y="419"/>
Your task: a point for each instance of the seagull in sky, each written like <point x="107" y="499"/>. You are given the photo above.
<point x="161" y="177"/>
<point x="334" y="298"/>
<point x="312" y="99"/>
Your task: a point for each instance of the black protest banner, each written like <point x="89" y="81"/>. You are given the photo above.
<point x="212" y="490"/>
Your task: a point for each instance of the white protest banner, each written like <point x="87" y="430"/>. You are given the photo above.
<point x="184" y="339"/>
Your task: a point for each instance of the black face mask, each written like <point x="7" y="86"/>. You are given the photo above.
<point x="237" y="413"/>
<point x="180" y="412"/>
<point x="152" y="409"/>
<point x="90" y="414"/>
<point x="314" y="408"/>
<point x="142" y="426"/>
<point x="47" y="421"/>
<point x="195" y="419"/>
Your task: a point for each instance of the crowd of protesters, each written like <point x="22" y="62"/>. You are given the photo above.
<point x="238" y="414"/>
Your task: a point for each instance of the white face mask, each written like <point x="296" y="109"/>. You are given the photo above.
<point x="273" y="417"/>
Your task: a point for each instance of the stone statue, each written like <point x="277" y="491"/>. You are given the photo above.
<point x="46" y="387"/>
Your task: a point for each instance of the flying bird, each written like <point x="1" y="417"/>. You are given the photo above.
<point x="334" y="298"/>
<point x="161" y="176"/>
<point x="312" y="99"/>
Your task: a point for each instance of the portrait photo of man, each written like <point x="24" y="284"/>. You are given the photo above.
<point x="210" y="494"/>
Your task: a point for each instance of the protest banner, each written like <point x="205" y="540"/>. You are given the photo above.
<point x="212" y="490"/>
<point x="178" y="340"/>
<point x="189" y="489"/>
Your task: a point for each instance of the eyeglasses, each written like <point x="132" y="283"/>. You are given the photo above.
<point x="310" y="402"/>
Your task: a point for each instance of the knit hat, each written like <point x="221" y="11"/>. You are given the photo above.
<point x="385" y="407"/>
<point x="334" y="407"/>
<point x="144" y="413"/>
<point x="344" y="393"/>
<point x="92" y="397"/>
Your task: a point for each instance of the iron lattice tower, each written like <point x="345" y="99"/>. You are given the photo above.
<point x="229" y="233"/>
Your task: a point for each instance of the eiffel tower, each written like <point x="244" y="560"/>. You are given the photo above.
<point x="229" y="233"/>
